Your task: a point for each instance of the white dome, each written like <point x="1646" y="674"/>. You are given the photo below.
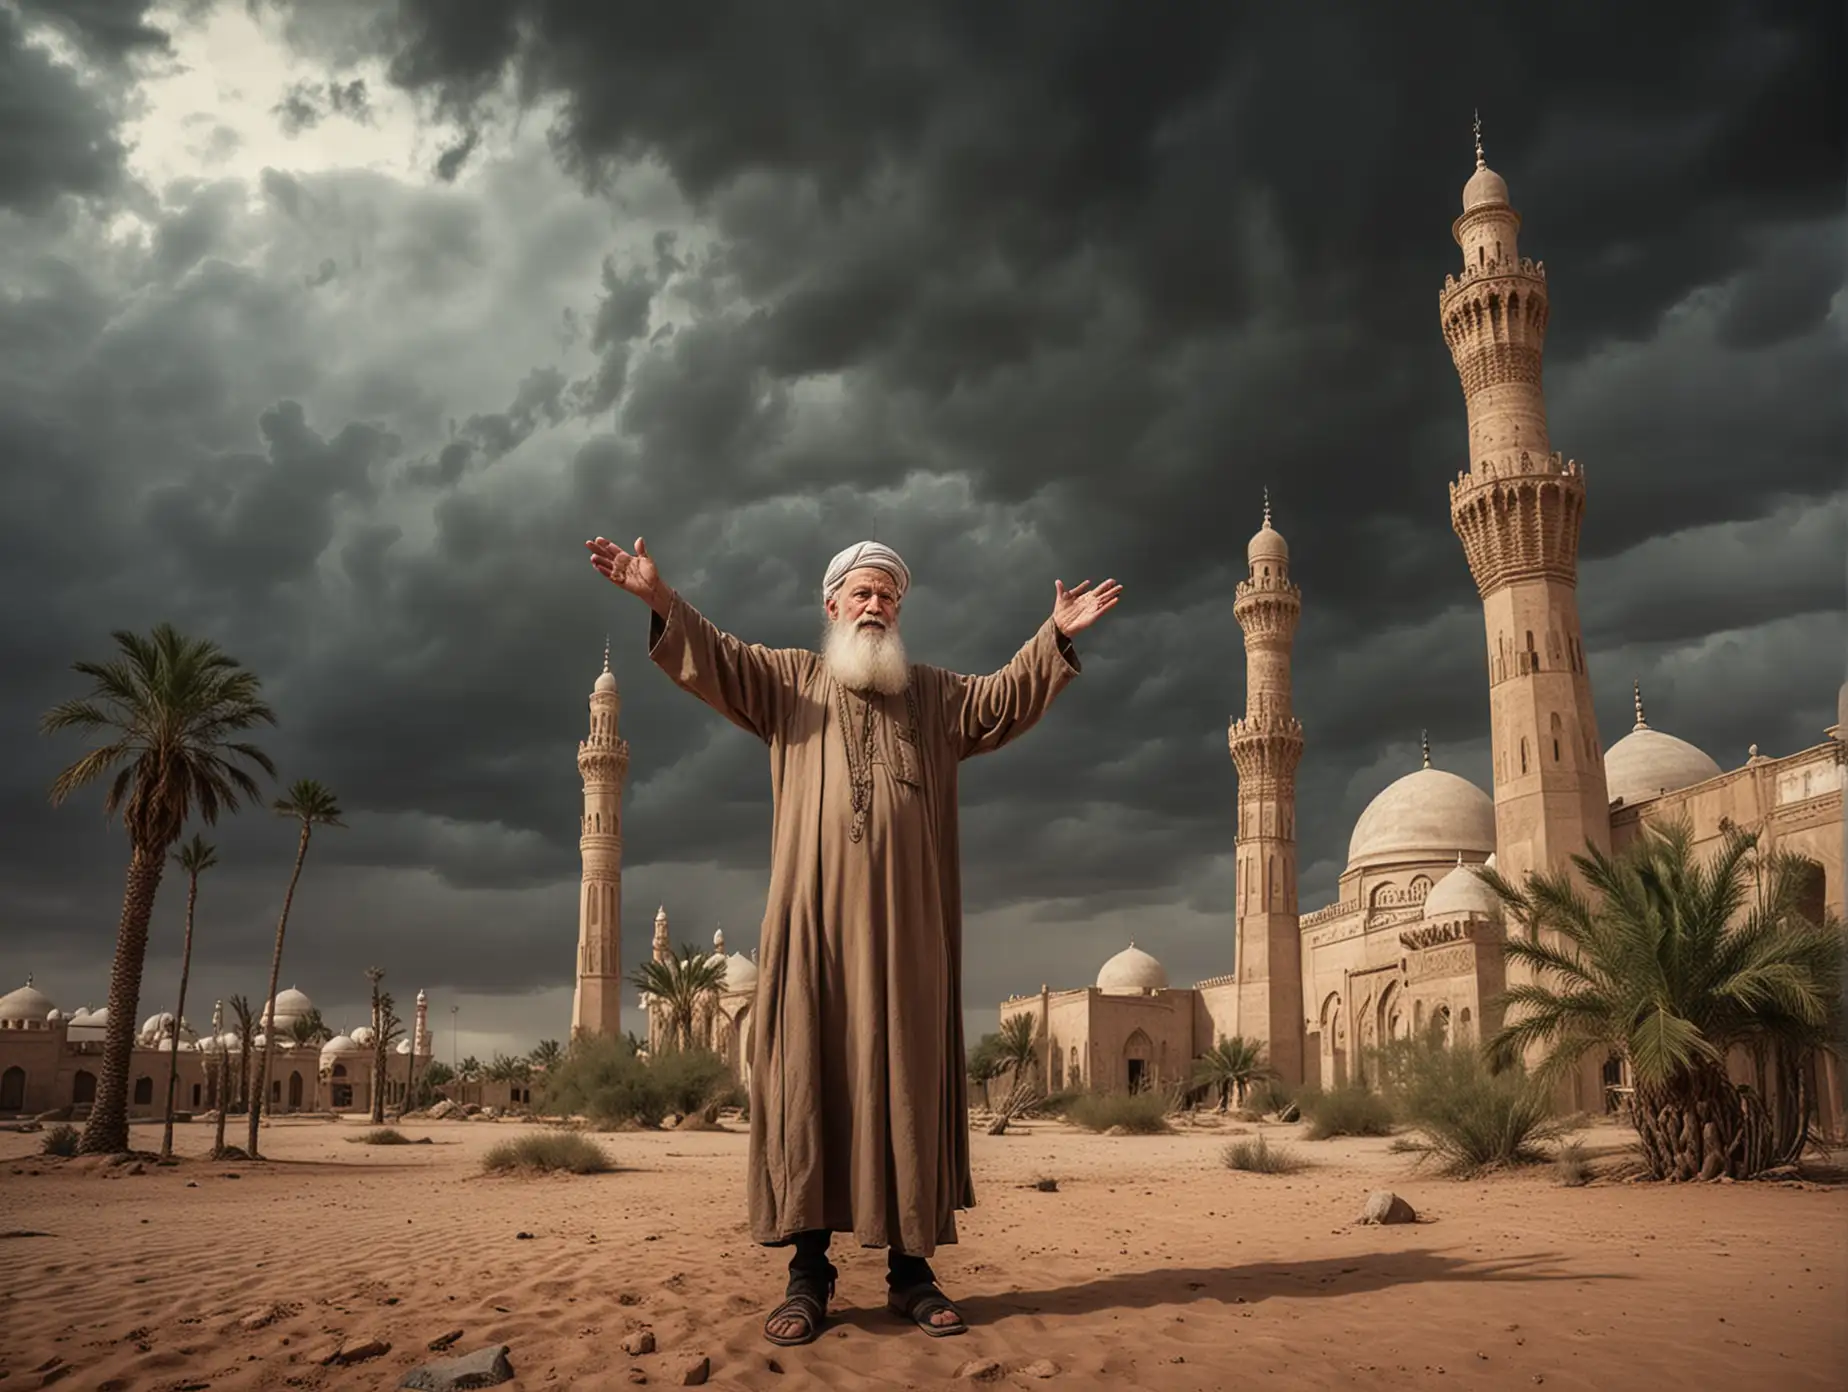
<point x="1267" y="545"/>
<point x="1460" y="892"/>
<point x="27" y="1003"/>
<point x="1130" y="972"/>
<point x="291" y="1005"/>
<point x="1429" y="813"/>
<point x="157" y="1024"/>
<point x="230" y="1040"/>
<point x="740" y="973"/>
<point x="339" y="1044"/>
<point x="363" y="1036"/>
<point x="404" y="1046"/>
<point x="1647" y="763"/>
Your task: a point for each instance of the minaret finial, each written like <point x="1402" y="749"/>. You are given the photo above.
<point x="1478" y="130"/>
<point x="1424" y="738"/>
<point x="606" y="652"/>
<point x="1636" y="690"/>
<point x="1267" y="520"/>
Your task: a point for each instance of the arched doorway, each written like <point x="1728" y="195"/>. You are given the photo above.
<point x="13" y="1090"/>
<point x="295" y="1092"/>
<point x="83" y="1088"/>
<point x="340" y="1090"/>
<point x="144" y="1091"/>
<point x="1334" y="1042"/>
<point x="1138" y="1062"/>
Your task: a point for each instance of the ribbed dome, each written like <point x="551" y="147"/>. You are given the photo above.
<point x="1268" y="545"/>
<point x="1460" y="892"/>
<point x="1647" y="763"/>
<point x="1429" y="813"/>
<point x="1485" y="189"/>
<point x="1131" y="972"/>
<point x="27" y="1003"/>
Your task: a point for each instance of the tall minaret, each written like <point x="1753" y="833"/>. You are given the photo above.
<point x="1267" y="743"/>
<point x="602" y="759"/>
<point x="420" y="1028"/>
<point x="1517" y="509"/>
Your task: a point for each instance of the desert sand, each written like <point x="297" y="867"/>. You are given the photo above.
<point x="1151" y="1266"/>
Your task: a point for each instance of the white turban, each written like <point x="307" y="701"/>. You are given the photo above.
<point x="874" y="554"/>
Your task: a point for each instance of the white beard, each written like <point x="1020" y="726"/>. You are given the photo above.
<point x="866" y="659"/>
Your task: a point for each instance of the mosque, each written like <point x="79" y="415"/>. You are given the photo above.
<point x="1413" y="935"/>
<point x="50" y="1060"/>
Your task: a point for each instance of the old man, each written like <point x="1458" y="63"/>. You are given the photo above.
<point x="858" y="1108"/>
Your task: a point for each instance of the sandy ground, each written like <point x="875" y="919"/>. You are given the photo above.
<point x="1152" y="1266"/>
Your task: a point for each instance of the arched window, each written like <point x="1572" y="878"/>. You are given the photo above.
<point x="83" y="1088"/>
<point x="144" y="1092"/>
<point x="1523" y="753"/>
<point x="1555" y="732"/>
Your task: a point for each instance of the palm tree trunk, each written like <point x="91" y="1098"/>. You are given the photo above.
<point x="224" y="1095"/>
<point x="258" y="1097"/>
<point x="106" y="1132"/>
<point x="179" y="1015"/>
<point x="1701" y="1127"/>
<point x="378" y="1059"/>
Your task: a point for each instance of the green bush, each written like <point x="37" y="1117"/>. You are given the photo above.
<point x="1259" y="1157"/>
<point x="547" y="1152"/>
<point x="1352" y="1110"/>
<point x="60" y="1140"/>
<point x="1141" y="1113"/>
<point x="1469" y="1118"/>
<point x="603" y="1078"/>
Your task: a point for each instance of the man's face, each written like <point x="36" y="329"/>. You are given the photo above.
<point x="867" y="600"/>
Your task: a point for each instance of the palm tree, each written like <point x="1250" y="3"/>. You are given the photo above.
<point x="1673" y="966"/>
<point x="172" y="706"/>
<point x="309" y="1030"/>
<point x="195" y="858"/>
<point x="984" y="1064"/>
<point x="312" y="805"/>
<point x="681" y="985"/>
<point x="469" y="1070"/>
<point x="246" y="1019"/>
<point x="387" y="1029"/>
<point x="376" y="975"/>
<point x="1232" y="1065"/>
<point x="547" y="1054"/>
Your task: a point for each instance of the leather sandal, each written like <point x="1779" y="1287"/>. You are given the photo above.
<point x="806" y="1300"/>
<point x="919" y="1303"/>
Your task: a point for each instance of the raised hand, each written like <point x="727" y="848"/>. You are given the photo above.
<point x="1076" y="609"/>
<point x="635" y="573"/>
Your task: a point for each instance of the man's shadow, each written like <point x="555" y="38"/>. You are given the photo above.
<point x="1360" y="1274"/>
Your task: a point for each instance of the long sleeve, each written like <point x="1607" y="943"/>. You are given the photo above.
<point x="747" y="683"/>
<point x="987" y="712"/>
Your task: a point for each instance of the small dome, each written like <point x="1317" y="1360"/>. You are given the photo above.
<point x="363" y="1036"/>
<point x="157" y="1024"/>
<point x="339" y="1044"/>
<point x="1485" y="189"/>
<point x="404" y="1046"/>
<point x="54" y="1015"/>
<point x="27" y="1003"/>
<point x="1130" y="972"/>
<point x="606" y="681"/>
<point x="1268" y="545"/>
<point x="1461" y="892"/>
<point x="1427" y="813"/>
<point x="740" y="973"/>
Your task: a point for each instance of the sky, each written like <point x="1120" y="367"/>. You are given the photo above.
<point x="329" y="331"/>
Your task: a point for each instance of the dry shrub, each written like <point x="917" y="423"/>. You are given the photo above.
<point x="382" y="1135"/>
<point x="60" y="1140"/>
<point x="548" y="1152"/>
<point x="1573" y="1165"/>
<point x="1139" y="1113"/>
<point x="1260" y="1157"/>
<point x="1352" y="1110"/>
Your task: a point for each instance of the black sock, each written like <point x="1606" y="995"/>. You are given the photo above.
<point x="811" y="1254"/>
<point x="904" y="1271"/>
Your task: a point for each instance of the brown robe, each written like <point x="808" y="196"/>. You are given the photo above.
<point x="859" y="1113"/>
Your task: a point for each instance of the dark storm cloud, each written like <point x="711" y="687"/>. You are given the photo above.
<point x="304" y="104"/>
<point x="57" y="127"/>
<point x="1027" y="291"/>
